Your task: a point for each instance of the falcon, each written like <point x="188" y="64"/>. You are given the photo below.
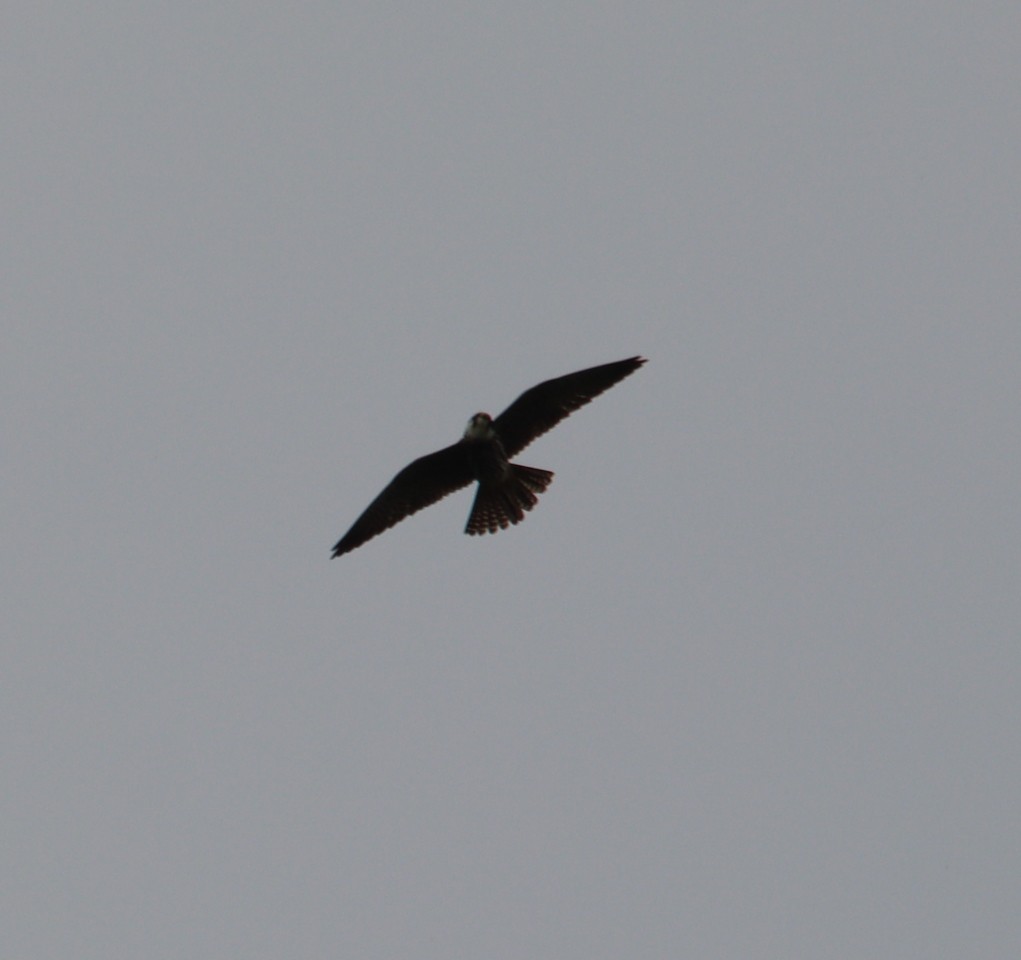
<point x="506" y="490"/>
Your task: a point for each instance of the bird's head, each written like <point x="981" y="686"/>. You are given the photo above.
<point x="480" y="427"/>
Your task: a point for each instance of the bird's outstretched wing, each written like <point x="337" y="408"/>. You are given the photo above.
<point x="544" y="406"/>
<point x="419" y="484"/>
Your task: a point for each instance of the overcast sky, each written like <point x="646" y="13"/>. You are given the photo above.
<point x="745" y="684"/>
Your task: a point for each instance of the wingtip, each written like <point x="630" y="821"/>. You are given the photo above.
<point x="631" y="364"/>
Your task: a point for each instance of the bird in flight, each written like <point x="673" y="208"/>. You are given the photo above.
<point x="506" y="490"/>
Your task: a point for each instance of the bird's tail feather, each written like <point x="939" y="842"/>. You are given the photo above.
<point x="499" y="504"/>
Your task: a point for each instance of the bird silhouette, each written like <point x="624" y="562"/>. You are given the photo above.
<point x="506" y="490"/>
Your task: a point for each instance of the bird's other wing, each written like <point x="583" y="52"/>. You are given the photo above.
<point x="544" y="406"/>
<point x="419" y="484"/>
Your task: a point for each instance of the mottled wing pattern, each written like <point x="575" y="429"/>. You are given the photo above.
<point x="544" y="406"/>
<point x="421" y="483"/>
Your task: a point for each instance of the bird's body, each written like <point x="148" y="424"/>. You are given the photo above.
<point x="506" y="490"/>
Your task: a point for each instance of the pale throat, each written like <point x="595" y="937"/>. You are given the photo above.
<point x="480" y="427"/>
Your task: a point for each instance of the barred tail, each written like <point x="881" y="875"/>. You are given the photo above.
<point x="499" y="504"/>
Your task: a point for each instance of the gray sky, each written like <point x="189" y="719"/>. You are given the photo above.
<point x="744" y="684"/>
